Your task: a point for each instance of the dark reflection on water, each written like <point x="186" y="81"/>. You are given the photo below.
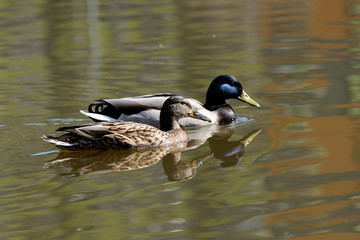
<point x="299" y="178"/>
<point x="108" y="161"/>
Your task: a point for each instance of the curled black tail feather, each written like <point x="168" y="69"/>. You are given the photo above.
<point x="96" y="107"/>
<point x="104" y="109"/>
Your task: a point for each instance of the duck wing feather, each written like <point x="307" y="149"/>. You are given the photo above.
<point x="134" y="105"/>
<point x="121" y="133"/>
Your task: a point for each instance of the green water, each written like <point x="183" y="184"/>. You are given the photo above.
<point x="297" y="179"/>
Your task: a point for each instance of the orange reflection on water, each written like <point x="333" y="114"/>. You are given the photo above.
<point x="325" y="170"/>
<point x="313" y="212"/>
<point x="334" y="134"/>
<point x="297" y="86"/>
<point x="312" y="159"/>
<point x="347" y="105"/>
<point x="325" y="12"/>
<point x="329" y="236"/>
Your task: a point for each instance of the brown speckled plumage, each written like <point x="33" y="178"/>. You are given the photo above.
<point x="124" y="135"/>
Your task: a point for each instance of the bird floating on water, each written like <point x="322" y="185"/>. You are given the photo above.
<point x="146" y="108"/>
<point x="130" y="135"/>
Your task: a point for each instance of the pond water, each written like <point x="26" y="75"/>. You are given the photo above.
<point x="297" y="178"/>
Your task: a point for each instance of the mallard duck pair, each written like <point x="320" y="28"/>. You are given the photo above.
<point x="146" y="108"/>
<point x="129" y="122"/>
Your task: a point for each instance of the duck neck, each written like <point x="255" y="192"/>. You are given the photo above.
<point x="168" y="121"/>
<point x="214" y="100"/>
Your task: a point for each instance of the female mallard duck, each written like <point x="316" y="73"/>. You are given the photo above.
<point x="124" y="135"/>
<point x="146" y="108"/>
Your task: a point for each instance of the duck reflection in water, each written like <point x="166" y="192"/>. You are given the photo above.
<point x="85" y="162"/>
<point x="229" y="152"/>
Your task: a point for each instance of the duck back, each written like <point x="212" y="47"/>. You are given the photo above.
<point x="115" y="135"/>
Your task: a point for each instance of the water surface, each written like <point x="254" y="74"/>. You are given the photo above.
<point x="298" y="178"/>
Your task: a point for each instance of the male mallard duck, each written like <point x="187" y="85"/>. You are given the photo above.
<point x="146" y="108"/>
<point x="123" y="135"/>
